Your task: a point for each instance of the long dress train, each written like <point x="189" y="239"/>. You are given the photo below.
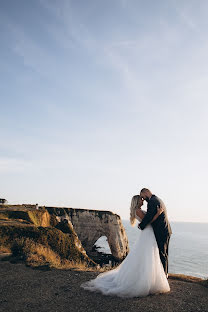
<point x="140" y="274"/>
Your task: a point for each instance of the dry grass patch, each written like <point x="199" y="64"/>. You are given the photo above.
<point x="190" y="279"/>
<point x="4" y="249"/>
<point x="43" y="246"/>
<point x="37" y="255"/>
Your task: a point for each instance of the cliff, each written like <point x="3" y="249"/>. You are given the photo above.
<point x="39" y="238"/>
<point x="68" y="232"/>
<point x="90" y="225"/>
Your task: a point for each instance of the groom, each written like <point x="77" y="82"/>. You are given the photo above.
<point x="161" y="226"/>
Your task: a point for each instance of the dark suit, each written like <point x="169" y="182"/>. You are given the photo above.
<point x="161" y="228"/>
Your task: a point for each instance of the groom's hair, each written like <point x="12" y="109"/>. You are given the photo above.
<point x="144" y="190"/>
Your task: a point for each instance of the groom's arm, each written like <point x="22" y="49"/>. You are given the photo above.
<point x="151" y="212"/>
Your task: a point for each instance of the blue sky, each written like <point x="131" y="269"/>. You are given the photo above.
<point x="101" y="98"/>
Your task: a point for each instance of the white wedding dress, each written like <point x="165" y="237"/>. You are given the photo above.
<point x="140" y="274"/>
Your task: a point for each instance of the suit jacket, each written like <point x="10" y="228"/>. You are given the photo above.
<point x="161" y="225"/>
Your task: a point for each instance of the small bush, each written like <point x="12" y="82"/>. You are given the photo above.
<point x="22" y="247"/>
<point x="65" y="227"/>
<point x="53" y="220"/>
<point x="17" y="247"/>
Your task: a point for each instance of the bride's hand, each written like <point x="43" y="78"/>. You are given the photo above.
<point x="160" y="210"/>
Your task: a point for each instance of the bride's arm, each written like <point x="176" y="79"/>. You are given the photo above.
<point x="159" y="211"/>
<point x="140" y="213"/>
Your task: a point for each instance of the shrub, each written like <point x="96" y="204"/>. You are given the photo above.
<point x="23" y="240"/>
<point x="35" y="254"/>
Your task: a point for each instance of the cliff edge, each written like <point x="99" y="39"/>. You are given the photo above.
<point x="66" y="234"/>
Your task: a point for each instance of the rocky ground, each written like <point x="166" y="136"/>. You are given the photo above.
<point x="25" y="289"/>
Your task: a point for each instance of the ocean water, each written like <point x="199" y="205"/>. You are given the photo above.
<point x="188" y="248"/>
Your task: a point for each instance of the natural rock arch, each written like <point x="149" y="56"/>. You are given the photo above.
<point x="102" y="243"/>
<point x="90" y="225"/>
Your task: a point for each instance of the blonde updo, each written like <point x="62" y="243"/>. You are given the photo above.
<point x="134" y="206"/>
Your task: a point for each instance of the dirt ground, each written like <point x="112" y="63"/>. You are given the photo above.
<point x="33" y="290"/>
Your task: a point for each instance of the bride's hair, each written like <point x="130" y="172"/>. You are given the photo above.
<point x="134" y="205"/>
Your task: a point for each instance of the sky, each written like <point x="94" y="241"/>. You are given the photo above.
<point x="99" y="99"/>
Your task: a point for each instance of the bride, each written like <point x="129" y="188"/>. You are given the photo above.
<point x="141" y="273"/>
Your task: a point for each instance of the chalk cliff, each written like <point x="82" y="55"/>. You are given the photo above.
<point x="90" y="225"/>
<point x="39" y="238"/>
<point x="87" y="225"/>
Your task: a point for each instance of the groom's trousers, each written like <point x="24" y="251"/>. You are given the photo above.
<point x="163" y="250"/>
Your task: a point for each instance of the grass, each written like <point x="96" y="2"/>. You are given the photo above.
<point x="3" y="215"/>
<point x="37" y="217"/>
<point x="4" y="249"/>
<point x="42" y="245"/>
<point x="35" y="254"/>
<point x="36" y="237"/>
<point x="190" y="279"/>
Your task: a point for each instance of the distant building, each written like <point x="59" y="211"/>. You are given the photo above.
<point x="3" y="201"/>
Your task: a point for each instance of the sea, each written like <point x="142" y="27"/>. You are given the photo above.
<point x="188" y="248"/>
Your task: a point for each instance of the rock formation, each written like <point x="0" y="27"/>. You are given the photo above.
<point x="39" y="237"/>
<point x="90" y="225"/>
